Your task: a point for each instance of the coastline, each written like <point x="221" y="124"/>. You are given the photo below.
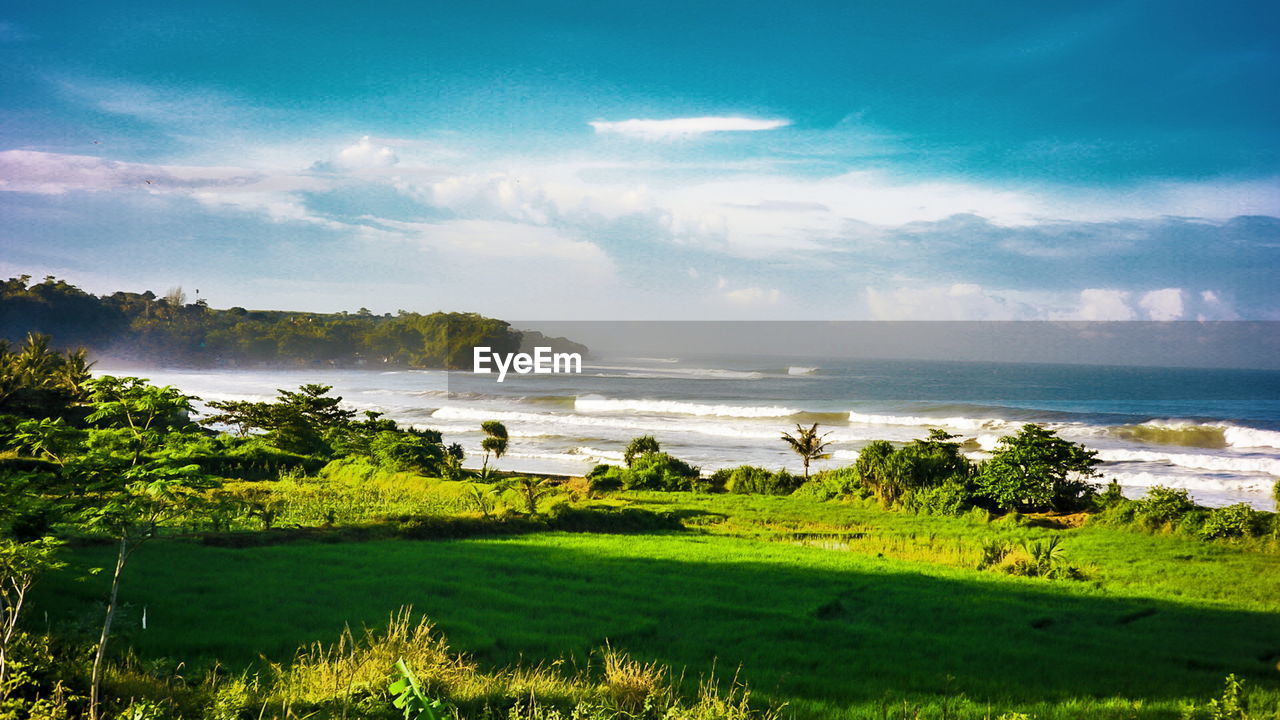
<point x="717" y="417"/>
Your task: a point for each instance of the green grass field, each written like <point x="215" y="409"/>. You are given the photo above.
<point x="892" y="613"/>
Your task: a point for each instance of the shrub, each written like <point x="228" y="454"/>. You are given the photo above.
<point x="831" y="484"/>
<point x="1163" y="506"/>
<point x="660" y="471"/>
<point x="605" y="478"/>
<point x="405" y="451"/>
<point x="892" y="474"/>
<point x="749" y="479"/>
<point x="1193" y="521"/>
<point x="1039" y="559"/>
<point x="1110" y="497"/>
<point x="1232" y="521"/>
<point x="950" y="498"/>
<point x="992" y="553"/>
<point x="651" y="471"/>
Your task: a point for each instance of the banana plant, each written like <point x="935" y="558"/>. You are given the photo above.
<point x="407" y="695"/>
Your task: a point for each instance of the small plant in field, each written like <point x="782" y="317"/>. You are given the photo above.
<point x="1043" y="558"/>
<point x="1230" y="706"/>
<point x="992" y="553"/>
<point x="530" y="489"/>
<point x="1045" y="555"/>
<point x="407" y="695"/>
<point x="633" y="684"/>
<point x="482" y="500"/>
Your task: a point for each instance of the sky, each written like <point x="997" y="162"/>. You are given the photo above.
<point x="697" y="160"/>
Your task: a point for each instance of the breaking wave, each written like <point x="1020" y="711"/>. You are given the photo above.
<point x="1197" y="461"/>
<point x="1192" y="434"/>
<point x="595" y="403"/>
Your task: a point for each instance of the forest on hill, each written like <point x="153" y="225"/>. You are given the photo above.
<point x="167" y="329"/>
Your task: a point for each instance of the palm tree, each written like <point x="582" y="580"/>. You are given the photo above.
<point x="531" y="490"/>
<point x="495" y="442"/>
<point x="808" y="444"/>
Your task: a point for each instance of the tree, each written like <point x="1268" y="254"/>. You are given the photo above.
<point x="143" y="411"/>
<point x="131" y="514"/>
<point x="495" y="442"/>
<point x="808" y="444"/>
<point x="135" y="404"/>
<point x="48" y="439"/>
<point x="642" y="445"/>
<point x="130" y="502"/>
<point x="20" y="564"/>
<point x="39" y="382"/>
<point x="305" y="421"/>
<point x="1037" y="470"/>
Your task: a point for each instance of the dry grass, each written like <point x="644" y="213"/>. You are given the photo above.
<point x="349" y="678"/>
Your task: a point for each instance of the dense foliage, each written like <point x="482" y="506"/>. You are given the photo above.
<point x="652" y="470"/>
<point x="1037" y="470"/>
<point x="144" y="326"/>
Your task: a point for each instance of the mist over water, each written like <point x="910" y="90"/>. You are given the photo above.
<point x="1214" y="432"/>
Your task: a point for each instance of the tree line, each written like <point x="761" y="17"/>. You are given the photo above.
<point x="150" y="328"/>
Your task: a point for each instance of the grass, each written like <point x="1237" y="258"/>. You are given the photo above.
<point x="1123" y="561"/>
<point x="895" y="617"/>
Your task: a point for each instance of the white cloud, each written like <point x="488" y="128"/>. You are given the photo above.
<point x="1212" y="306"/>
<point x="496" y="239"/>
<point x="1102" y="304"/>
<point x="1163" y="304"/>
<point x="191" y="109"/>
<point x="362" y="155"/>
<point x="57" y="173"/>
<point x="684" y="127"/>
<point x="753" y="296"/>
<point x="959" y="301"/>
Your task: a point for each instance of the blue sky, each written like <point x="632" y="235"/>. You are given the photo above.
<point x="937" y="160"/>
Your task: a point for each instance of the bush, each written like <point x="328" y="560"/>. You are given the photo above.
<point x="749" y="479"/>
<point x="660" y="471"/>
<point x="243" y="458"/>
<point x="950" y="498"/>
<point x="651" y="471"/>
<point x="406" y="451"/>
<point x="831" y="484"/>
<point x="893" y="473"/>
<point x="1192" y="522"/>
<point x="1163" y="506"/>
<point x="605" y="478"/>
<point x="1232" y="521"/>
<point x="1111" y="497"/>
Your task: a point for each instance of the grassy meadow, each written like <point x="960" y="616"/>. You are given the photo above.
<point x="826" y="610"/>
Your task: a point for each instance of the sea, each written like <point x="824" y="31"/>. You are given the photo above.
<point x="1214" y="432"/>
